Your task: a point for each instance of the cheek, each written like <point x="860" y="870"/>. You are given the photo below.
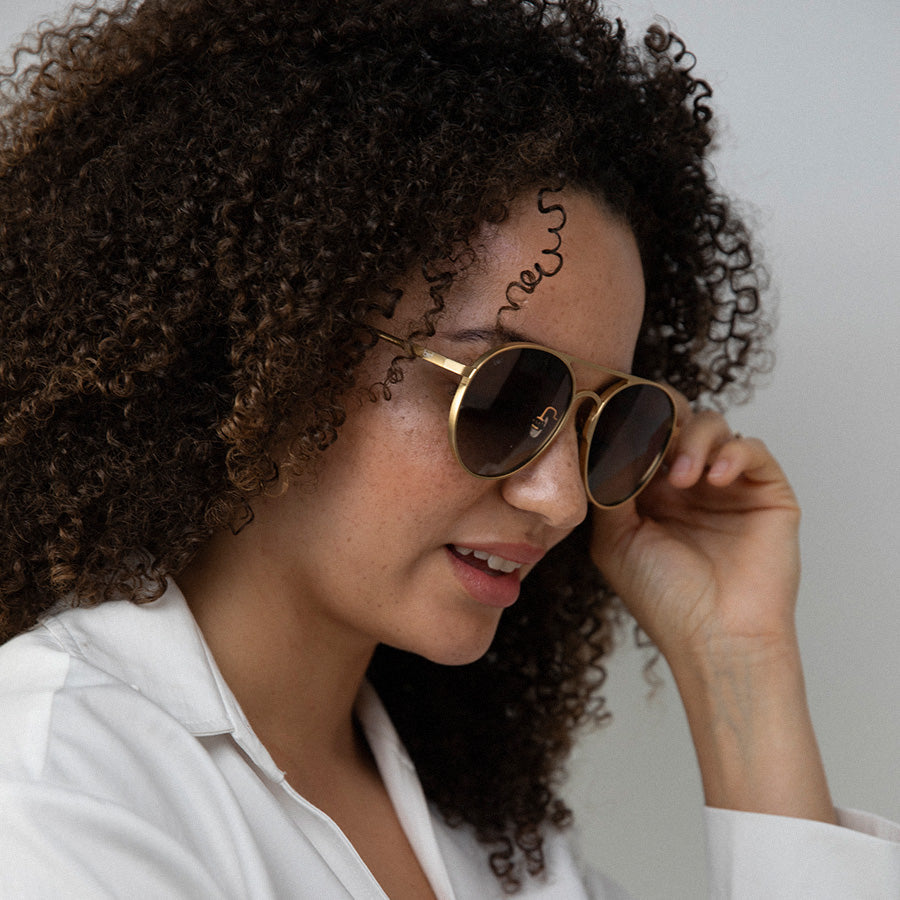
<point x="409" y="431"/>
<point x="391" y="452"/>
<point x="390" y="481"/>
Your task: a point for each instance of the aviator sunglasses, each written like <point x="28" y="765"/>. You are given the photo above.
<point x="513" y="400"/>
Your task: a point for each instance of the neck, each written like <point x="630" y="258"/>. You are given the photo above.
<point x="296" y="675"/>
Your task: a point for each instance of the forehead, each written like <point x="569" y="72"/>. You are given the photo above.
<point x="560" y="270"/>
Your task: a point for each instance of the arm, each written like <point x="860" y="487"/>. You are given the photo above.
<point x="707" y="562"/>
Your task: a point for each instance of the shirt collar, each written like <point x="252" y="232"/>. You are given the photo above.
<point x="157" y="649"/>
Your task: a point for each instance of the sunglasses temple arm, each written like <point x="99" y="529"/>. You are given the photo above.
<point x="431" y="356"/>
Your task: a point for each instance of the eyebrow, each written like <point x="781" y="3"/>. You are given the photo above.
<point x="497" y="334"/>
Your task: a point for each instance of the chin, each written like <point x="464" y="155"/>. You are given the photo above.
<point x="457" y="657"/>
<point x="455" y="646"/>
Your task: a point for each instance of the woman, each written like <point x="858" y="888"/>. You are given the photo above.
<point x="253" y="256"/>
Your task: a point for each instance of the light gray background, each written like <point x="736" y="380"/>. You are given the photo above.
<point x="806" y="94"/>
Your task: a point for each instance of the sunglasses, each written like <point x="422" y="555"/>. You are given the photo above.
<point x="513" y="401"/>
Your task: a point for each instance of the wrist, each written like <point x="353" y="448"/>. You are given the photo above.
<point x="769" y="657"/>
<point x="749" y="719"/>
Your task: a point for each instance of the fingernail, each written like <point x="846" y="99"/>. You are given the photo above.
<point x="720" y="467"/>
<point x="682" y="465"/>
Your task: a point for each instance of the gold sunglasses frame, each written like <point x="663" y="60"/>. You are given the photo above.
<point x="621" y="380"/>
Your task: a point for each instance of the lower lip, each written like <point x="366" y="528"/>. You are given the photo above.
<point x="500" y="590"/>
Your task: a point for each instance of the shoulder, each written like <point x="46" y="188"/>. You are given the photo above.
<point x="120" y="683"/>
<point x="98" y="768"/>
<point x="60" y="706"/>
<point x="34" y="671"/>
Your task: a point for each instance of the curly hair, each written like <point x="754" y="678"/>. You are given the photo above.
<point x="201" y="204"/>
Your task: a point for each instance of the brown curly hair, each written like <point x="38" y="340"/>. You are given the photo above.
<point x="202" y="201"/>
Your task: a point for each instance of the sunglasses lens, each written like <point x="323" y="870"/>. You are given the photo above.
<point x="629" y="440"/>
<point x="510" y="409"/>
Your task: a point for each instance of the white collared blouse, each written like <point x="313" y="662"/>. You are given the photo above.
<point x="127" y="769"/>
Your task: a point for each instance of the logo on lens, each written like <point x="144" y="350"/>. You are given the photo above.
<point x="539" y="424"/>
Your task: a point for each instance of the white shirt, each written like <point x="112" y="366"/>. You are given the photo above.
<point x="128" y="769"/>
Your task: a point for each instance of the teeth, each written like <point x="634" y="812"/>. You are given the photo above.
<point x="497" y="563"/>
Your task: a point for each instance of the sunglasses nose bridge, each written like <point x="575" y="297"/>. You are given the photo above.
<point x="578" y="401"/>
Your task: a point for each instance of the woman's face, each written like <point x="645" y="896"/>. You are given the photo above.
<point x="377" y="548"/>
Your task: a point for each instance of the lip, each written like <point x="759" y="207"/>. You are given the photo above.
<point x="498" y="590"/>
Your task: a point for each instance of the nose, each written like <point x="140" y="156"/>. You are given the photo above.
<point x="551" y="486"/>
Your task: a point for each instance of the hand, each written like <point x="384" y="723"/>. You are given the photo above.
<point x="707" y="557"/>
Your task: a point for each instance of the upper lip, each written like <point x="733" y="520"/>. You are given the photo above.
<point x="523" y="554"/>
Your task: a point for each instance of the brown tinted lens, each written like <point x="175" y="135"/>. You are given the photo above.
<point x="628" y="442"/>
<point x="510" y="409"/>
